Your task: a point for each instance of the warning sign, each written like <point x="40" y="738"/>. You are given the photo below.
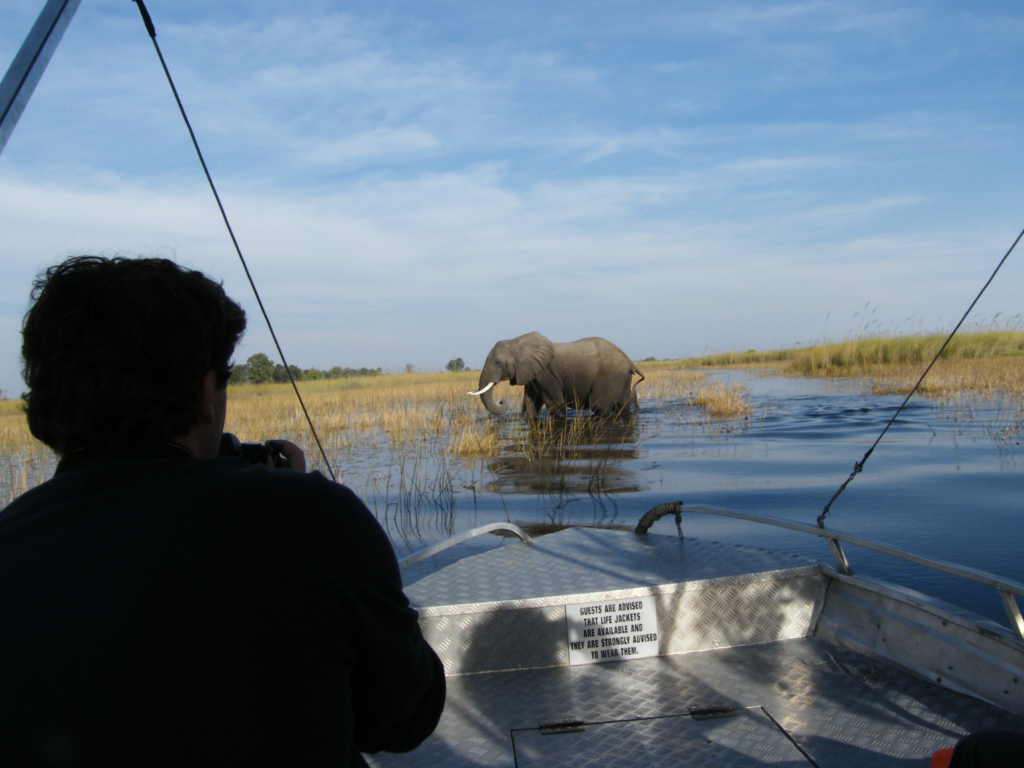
<point x="615" y="630"/>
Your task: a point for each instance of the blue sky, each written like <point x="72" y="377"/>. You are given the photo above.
<point x="412" y="181"/>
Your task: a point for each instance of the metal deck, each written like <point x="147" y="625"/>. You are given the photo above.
<point x="736" y="631"/>
<point x="838" y="707"/>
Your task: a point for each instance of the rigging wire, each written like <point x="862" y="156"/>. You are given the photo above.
<point x="152" y="34"/>
<point x="858" y="466"/>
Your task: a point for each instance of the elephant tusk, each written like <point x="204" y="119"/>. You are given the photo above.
<point x="482" y="390"/>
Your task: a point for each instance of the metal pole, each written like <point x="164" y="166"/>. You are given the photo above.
<point x="840" y="556"/>
<point x="1013" y="611"/>
<point x="30" y="63"/>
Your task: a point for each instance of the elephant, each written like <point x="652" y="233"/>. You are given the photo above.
<point x="591" y="373"/>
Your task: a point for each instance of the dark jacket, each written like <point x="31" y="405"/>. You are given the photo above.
<point x="158" y="610"/>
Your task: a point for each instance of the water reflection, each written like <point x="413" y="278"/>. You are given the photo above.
<point x="565" y="456"/>
<point x="944" y="484"/>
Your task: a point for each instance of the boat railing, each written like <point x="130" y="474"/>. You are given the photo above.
<point x="1007" y="589"/>
<point x="447" y="543"/>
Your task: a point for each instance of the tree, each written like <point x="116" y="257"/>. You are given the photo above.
<point x="281" y="374"/>
<point x="455" y="365"/>
<point x="239" y="374"/>
<point x="261" y="368"/>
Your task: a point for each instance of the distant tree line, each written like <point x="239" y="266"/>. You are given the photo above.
<point x="260" y="369"/>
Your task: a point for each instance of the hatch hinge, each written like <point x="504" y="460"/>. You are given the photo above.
<point x="716" y="710"/>
<point x="570" y="725"/>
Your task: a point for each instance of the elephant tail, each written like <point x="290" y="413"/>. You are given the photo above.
<point x="633" y="369"/>
<point x="633" y="398"/>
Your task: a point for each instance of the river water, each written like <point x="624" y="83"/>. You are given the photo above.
<point x="946" y="482"/>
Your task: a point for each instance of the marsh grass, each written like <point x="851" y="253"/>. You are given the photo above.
<point x="561" y="456"/>
<point x="691" y="398"/>
<point x="962" y="387"/>
<point x="405" y="442"/>
<point x="411" y="443"/>
<point x="989" y="358"/>
<point x="24" y="461"/>
<point x="996" y="350"/>
<point x="981" y="366"/>
<point x="723" y="401"/>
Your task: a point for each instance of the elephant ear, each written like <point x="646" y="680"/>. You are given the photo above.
<point x="533" y="353"/>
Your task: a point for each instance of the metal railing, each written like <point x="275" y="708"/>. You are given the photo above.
<point x="1007" y="589"/>
<point x="431" y="551"/>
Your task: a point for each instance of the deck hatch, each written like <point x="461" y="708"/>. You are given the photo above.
<point x="749" y="738"/>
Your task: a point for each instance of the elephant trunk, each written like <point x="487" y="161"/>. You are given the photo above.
<point x="487" y="398"/>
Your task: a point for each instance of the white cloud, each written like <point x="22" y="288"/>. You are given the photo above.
<point x="410" y="186"/>
<point x="368" y="146"/>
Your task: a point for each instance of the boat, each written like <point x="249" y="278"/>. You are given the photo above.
<point x="594" y="646"/>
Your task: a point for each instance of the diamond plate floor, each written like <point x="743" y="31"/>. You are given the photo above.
<point x="581" y="560"/>
<point x="840" y="708"/>
<point x="748" y="738"/>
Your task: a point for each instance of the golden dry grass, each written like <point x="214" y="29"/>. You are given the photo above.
<point x="406" y="409"/>
<point x="983" y="362"/>
<point x="979" y="377"/>
<point x="723" y="400"/>
<point x="390" y="417"/>
<point x="24" y="461"/>
<point x="690" y="388"/>
<point x="402" y="409"/>
<point x="378" y="423"/>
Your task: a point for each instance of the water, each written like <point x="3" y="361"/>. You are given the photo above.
<point x="944" y="483"/>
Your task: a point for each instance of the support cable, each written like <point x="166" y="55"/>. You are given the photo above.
<point x="858" y="466"/>
<point x="152" y="34"/>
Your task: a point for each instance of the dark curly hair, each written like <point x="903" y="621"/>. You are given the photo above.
<point x="115" y="349"/>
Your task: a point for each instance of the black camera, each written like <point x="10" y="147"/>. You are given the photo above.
<point x="254" y="453"/>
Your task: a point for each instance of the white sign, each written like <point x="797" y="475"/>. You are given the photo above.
<point x="614" y="630"/>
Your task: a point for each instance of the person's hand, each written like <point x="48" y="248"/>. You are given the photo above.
<point x="294" y="458"/>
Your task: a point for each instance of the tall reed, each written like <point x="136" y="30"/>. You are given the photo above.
<point x="982" y="361"/>
<point x="24" y="461"/>
<point x="692" y="398"/>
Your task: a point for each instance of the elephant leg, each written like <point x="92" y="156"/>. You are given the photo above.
<point x="557" y="406"/>
<point x="552" y="397"/>
<point x="613" y="398"/>
<point x="532" y="401"/>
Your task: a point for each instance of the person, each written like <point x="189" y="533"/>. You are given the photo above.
<point x="985" y="749"/>
<point x="161" y="605"/>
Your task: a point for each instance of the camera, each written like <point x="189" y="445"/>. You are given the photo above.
<point x="254" y="453"/>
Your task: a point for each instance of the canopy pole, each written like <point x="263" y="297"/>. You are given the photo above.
<point x="28" y="66"/>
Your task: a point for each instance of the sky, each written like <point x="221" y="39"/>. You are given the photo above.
<point x="412" y="181"/>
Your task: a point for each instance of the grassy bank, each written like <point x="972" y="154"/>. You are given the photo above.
<point x="408" y="409"/>
<point x="417" y="431"/>
<point x="982" y="362"/>
<point x="24" y="461"/>
<point x="376" y="428"/>
<point x="407" y="443"/>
